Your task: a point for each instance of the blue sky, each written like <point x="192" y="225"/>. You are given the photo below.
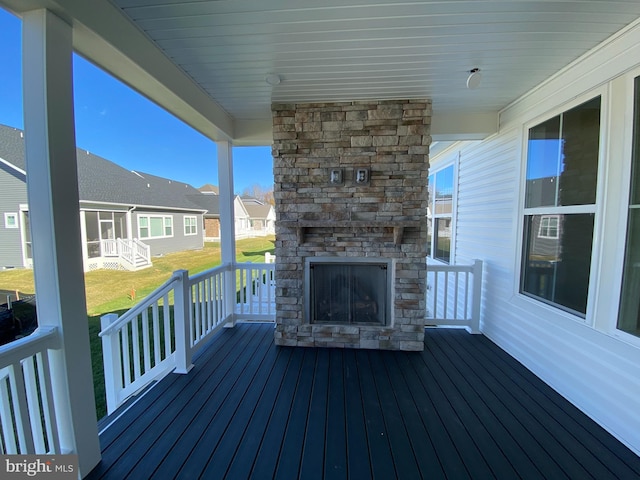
<point x="119" y="124"/>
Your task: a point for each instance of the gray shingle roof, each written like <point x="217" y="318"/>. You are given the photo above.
<point x="255" y="208"/>
<point x="209" y="202"/>
<point x="100" y="180"/>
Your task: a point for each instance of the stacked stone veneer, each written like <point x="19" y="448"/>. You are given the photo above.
<point x="392" y="139"/>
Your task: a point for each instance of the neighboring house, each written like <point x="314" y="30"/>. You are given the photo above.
<point x="262" y="216"/>
<point x="209" y="189"/>
<point x="251" y="216"/>
<point x="127" y="217"/>
<point x="209" y="201"/>
<point x="242" y="219"/>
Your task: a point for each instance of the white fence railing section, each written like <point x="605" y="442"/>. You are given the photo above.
<point x="133" y="254"/>
<point x="164" y="331"/>
<point x="453" y="295"/>
<point x="28" y="422"/>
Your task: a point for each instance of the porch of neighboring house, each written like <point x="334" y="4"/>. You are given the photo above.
<point x="107" y="243"/>
<point x="120" y="254"/>
<point x="463" y="408"/>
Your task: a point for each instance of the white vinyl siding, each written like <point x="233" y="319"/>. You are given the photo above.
<point x="190" y="225"/>
<point x="155" y="226"/>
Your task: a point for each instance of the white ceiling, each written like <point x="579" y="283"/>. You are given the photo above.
<point x="332" y="50"/>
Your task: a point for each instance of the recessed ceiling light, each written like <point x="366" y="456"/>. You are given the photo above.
<point x="273" y="79"/>
<point x="474" y="79"/>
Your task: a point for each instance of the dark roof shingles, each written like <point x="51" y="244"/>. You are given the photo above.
<point x="100" y="180"/>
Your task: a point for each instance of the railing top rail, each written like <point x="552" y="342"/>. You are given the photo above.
<point x="207" y="273"/>
<point x="255" y="265"/>
<point x="42" y="339"/>
<point x="140" y="307"/>
<point x="434" y="267"/>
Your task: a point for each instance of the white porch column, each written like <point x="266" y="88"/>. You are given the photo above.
<point x="83" y="239"/>
<point x="52" y="184"/>
<point x="227" y="223"/>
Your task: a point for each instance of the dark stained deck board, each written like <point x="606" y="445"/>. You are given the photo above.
<point x="432" y="421"/>
<point x="359" y="461"/>
<point x="421" y="439"/>
<point x="519" y="424"/>
<point x="382" y="465"/>
<point x="472" y="459"/>
<point x="495" y="441"/>
<point x="461" y="409"/>
<point x="469" y="412"/>
<point x="254" y="433"/>
<point x="198" y="442"/>
<point x="557" y="432"/>
<point x="163" y="404"/>
<point x="290" y="452"/>
<point x="313" y="450"/>
<point x="547" y="452"/>
<point x="404" y="459"/>
<point x="335" y="460"/>
<point x="601" y="448"/>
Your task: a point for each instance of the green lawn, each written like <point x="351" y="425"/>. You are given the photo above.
<point x="110" y="291"/>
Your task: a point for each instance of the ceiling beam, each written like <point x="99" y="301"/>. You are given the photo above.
<point x="445" y="127"/>
<point x="463" y="126"/>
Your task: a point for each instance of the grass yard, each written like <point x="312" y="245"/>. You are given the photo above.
<point x="111" y="291"/>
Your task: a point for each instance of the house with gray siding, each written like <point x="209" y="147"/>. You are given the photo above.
<point x="127" y="217"/>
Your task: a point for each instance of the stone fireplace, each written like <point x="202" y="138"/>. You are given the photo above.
<point x="351" y="206"/>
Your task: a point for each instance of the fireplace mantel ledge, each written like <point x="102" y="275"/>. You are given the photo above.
<point x="397" y="225"/>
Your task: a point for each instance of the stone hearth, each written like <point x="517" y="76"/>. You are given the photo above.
<point x="322" y="210"/>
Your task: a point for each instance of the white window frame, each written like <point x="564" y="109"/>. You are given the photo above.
<point x="12" y="225"/>
<point x="433" y="216"/>
<point x="623" y="148"/>
<point x="596" y="208"/>
<point x="193" y="227"/>
<point x="164" y="226"/>
<point x="543" y="230"/>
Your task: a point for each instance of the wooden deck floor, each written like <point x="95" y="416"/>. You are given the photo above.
<point x="461" y="409"/>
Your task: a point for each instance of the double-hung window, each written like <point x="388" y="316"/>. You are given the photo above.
<point x="440" y="214"/>
<point x="155" y="226"/>
<point x="190" y="225"/>
<point x="560" y="207"/>
<point x="629" y="313"/>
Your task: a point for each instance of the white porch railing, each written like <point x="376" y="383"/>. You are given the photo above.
<point x="27" y="415"/>
<point x="142" y="250"/>
<point x="453" y="295"/>
<point x="134" y="253"/>
<point x="125" y="250"/>
<point x="164" y="331"/>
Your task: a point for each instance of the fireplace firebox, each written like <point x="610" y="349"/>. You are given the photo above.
<point x="356" y="291"/>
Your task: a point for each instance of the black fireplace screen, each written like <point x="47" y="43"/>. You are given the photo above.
<point x="348" y="293"/>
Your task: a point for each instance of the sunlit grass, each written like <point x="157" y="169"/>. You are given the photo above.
<point x="109" y="290"/>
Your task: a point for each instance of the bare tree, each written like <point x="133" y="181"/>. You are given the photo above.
<point x="264" y="194"/>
